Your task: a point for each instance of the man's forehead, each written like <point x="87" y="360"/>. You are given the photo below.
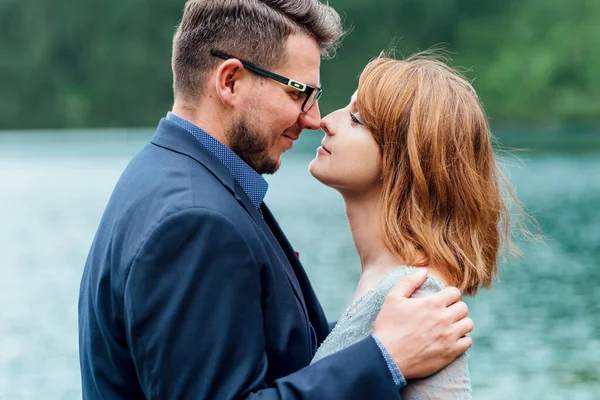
<point x="308" y="76"/>
<point x="353" y="98"/>
<point x="304" y="70"/>
<point x="303" y="60"/>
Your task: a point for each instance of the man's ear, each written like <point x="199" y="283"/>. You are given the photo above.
<point x="230" y="76"/>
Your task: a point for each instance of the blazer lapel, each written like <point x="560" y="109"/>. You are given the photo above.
<point x="274" y="234"/>
<point x="315" y="312"/>
<point x="171" y="136"/>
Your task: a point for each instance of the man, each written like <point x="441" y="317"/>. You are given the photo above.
<point x="191" y="290"/>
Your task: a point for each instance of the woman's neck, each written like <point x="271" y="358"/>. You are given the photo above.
<point x="365" y="224"/>
<point x="376" y="260"/>
<point x="364" y="216"/>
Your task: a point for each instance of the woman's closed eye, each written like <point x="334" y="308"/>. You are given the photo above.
<point x="354" y="119"/>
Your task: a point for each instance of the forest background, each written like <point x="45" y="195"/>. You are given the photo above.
<point x="87" y="64"/>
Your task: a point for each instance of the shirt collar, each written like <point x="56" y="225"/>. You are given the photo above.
<point x="253" y="184"/>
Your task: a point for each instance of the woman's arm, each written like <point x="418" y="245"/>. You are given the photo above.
<point x="452" y="382"/>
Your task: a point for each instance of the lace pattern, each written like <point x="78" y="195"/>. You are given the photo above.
<point x="357" y="322"/>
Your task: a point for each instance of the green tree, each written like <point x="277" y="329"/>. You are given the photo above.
<point x="88" y="63"/>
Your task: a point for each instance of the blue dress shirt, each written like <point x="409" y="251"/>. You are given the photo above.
<point x="255" y="186"/>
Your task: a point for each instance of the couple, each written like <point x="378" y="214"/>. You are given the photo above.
<point x="192" y="291"/>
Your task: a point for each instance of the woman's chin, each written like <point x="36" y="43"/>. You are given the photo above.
<point x="317" y="172"/>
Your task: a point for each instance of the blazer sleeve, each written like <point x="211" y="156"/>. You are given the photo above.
<point x="194" y="323"/>
<point x="331" y="325"/>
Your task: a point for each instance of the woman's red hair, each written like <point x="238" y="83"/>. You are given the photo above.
<point x="442" y="194"/>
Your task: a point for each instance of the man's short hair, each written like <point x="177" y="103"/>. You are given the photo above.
<point x="254" y="30"/>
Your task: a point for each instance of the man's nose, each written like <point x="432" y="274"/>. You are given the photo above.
<point x="311" y="119"/>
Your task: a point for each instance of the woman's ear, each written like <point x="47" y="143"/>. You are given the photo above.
<point x="230" y="75"/>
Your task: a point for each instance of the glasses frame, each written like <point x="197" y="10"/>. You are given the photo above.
<point x="299" y="86"/>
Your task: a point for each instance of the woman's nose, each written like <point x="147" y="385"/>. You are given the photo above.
<point x="327" y="124"/>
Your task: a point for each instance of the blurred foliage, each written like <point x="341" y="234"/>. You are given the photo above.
<point x="98" y="63"/>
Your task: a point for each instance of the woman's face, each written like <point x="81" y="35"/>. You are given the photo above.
<point x="348" y="159"/>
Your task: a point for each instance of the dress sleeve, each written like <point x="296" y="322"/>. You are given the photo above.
<point x="452" y="382"/>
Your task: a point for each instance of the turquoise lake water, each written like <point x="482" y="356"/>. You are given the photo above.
<point x="537" y="332"/>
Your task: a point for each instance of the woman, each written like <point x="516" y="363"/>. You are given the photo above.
<point x="412" y="157"/>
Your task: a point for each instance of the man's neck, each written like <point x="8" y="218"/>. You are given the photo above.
<point x="204" y="116"/>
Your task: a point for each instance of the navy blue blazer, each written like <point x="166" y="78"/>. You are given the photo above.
<point x="189" y="293"/>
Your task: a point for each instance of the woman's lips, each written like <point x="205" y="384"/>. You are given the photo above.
<point x="323" y="150"/>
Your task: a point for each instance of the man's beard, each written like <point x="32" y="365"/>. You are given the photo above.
<point x="251" y="147"/>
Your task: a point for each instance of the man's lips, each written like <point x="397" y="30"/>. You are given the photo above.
<point x="292" y="137"/>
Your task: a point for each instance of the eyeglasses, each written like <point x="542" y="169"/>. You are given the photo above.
<point x="313" y="94"/>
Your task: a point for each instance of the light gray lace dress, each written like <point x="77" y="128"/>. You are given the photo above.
<point x="357" y="322"/>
